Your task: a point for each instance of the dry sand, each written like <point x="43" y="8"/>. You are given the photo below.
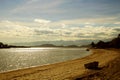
<point x="68" y="70"/>
<point x="111" y="71"/>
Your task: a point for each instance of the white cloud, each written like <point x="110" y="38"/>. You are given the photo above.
<point x="117" y="23"/>
<point x="42" y="21"/>
<point x="11" y="29"/>
<point x="42" y="29"/>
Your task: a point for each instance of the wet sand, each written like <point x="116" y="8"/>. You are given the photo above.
<point x="68" y="70"/>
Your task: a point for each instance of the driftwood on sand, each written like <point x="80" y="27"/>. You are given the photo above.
<point x="92" y="65"/>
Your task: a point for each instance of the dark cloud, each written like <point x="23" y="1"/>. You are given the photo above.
<point x="101" y="33"/>
<point x="41" y="32"/>
<point x="68" y="33"/>
<point x="117" y="29"/>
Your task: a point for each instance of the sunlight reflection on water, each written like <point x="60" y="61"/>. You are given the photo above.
<point x="30" y="49"/>
<point x="16" y="58"/>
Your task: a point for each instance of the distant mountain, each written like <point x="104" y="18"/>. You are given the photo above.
<point x="51" y="45"/>
<point x="72" y="46"/>
<point x="44" y="44"/>
<point x="57" y="43"/>
<point x="47" y="45"/>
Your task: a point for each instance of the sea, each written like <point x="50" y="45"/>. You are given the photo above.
<point x="19" y="58"/>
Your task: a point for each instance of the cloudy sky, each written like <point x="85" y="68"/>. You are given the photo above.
<point x="56" y="20"/>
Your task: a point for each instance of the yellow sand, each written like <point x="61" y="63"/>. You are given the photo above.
<point x="60" y="71"/>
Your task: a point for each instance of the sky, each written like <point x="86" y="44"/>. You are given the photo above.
<point x="58" y="20"/>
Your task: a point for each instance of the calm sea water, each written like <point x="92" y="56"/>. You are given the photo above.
<point x="16" y="58"/>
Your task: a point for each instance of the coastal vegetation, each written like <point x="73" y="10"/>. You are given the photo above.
<point x="114" y="43"/>
<point x="4" y="45"/>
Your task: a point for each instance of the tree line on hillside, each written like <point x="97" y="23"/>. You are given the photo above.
<point x="114" y="43"/>
<point x="4" y="45"/>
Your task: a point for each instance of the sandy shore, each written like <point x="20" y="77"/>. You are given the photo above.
<point x="68" y="70"/>
<point x="111" y="71"/>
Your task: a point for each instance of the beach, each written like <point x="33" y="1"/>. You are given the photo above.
<point x="110" y="71"/>
<point x="68" y="70"/>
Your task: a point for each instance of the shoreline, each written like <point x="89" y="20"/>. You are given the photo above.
<point x="68" y="70"/>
